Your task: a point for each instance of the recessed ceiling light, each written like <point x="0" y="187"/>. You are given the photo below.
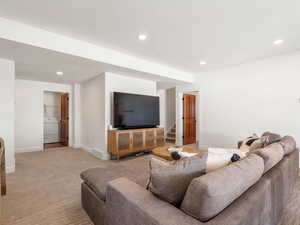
<point x="59" y="73"/>
<point x="202" y="63"/>
<point x="142" y="37"/>
<point x="278" y="42"/>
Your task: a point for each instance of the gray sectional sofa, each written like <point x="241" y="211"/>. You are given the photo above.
<point x="253" y="191"/>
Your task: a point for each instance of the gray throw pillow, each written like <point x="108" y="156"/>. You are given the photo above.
<point x="170" y="183"/>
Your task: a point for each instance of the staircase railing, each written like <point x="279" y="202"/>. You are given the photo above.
<point x="2" y="168"/>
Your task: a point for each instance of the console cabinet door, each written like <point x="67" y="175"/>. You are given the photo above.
<point x="150" y="138"/>
<point x="123" y="141"/>
<point x="160" y="136"/>
<point x="137" y="141"/>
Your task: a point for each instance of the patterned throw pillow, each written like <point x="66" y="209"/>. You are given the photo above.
<point x="157" y="163"/>
<point x="251" y="143"/>
<point x="268" y="138"/>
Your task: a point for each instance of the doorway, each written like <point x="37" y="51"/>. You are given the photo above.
<point x="189" y="119"/>
<point x="56" y="119"/>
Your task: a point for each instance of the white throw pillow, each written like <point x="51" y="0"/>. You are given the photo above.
<point x="216" y="161"/>
<point x="221" y="157"/>
<point x="156" y="163"/>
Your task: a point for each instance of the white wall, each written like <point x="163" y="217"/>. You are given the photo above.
<point x="7" y="112"/>
<point x="30" y="113"/>
<point x="170" y="108"/>
<point x="250" y="98"/>
<point x="93" y="115"/>
<point x="77" y="115"/>
<point x="119" y="83"/>
<point x="162" y="107"/>
<point x="96" y="107"/>
<point x="52" y="98"/>
<point x="52" y="105"/>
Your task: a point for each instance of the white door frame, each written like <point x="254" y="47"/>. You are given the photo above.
<point x="179" y="114"/>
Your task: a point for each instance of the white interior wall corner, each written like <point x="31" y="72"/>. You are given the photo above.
<point x="93" y="116"/>
<point x="32" y="118"/>
<point x="77" y="115"/>
<point x="179" y="115"/>
<point x="253" y="97"/>
<point x="162" y="108"/>
<point x="7" y="113"/>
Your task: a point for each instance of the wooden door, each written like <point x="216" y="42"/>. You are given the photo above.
<point x="64" y="124"/>
<point x="2" y="170"/>
<point x="189" y="119"/>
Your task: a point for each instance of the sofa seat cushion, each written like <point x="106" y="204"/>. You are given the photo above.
<point x="271" y="154"/>
<point x="98" y="178"/>
<point x="209" y="194"/>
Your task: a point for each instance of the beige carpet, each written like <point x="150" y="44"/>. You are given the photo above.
<point x="45" y="190"/>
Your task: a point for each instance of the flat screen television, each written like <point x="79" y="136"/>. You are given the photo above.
<point x="135" y="111"/>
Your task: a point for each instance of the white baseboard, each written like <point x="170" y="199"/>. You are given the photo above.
<point x="10" y="169"/>
<point x="29" y="149"/>
<point x="98" y="153"/>
<point x="88" y="149"/>
<point x="76" y="146"/>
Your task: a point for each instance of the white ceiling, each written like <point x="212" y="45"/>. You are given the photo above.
<point x="33" y="63"/>
<point x="181" y="33"/>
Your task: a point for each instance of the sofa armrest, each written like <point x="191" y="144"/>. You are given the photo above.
<point x="127" y="203"/>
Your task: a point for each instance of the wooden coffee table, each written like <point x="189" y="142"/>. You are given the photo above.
<point x="165" y="154"/>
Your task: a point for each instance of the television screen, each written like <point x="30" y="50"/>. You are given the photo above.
<point x="135" y="111"/>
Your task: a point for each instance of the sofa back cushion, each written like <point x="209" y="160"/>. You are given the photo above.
<point x="271" y="154"/>
<point x="208" y="195"/>
<point x="288" y="143"/>
<point x="170" y="182"/>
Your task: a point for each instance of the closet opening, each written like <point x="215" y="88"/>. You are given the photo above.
<point x="56" y="119"/>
